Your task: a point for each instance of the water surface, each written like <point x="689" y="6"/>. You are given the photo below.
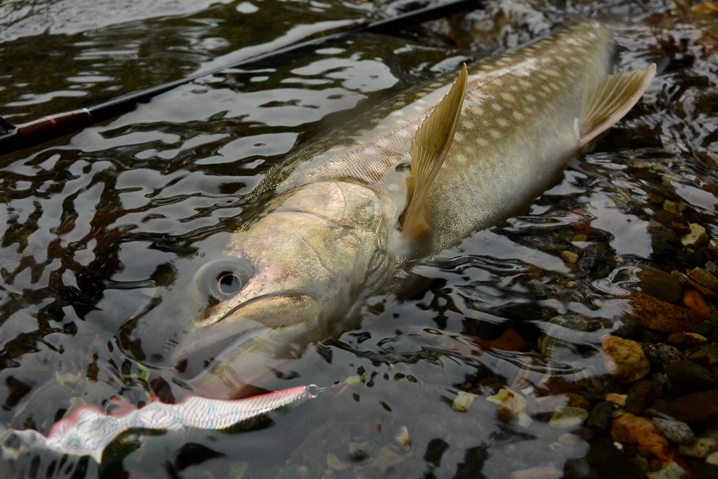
<point x="96" y="225"/>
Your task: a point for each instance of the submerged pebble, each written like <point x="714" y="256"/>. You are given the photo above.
<point x="463" y="401"/>
<point x="700" y="448"/>
<point x="659" y="284"/>
<point x="697" y="237"/>
<point x="660" y="316"/>
<point x="624" y="359"/>
<point x="642" y="433"/>
<point x="671" y="471"/>
<point x="676" y="431"/>
<point x="568" y="418"/>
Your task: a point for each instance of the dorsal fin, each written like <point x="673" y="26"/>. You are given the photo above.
<point x="428" y="151"/>
<point x="607" y="100"/>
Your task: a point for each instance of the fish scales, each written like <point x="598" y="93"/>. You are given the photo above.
<point x="522" y="104"/>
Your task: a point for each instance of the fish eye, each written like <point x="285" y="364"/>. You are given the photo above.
<point x="229" y="283"/>
<point x="222" y="279"/>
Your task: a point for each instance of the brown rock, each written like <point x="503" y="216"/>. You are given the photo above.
<point x="659" y="316"/>
<point x="687" y="377"/>
<point x="576" y="400"/>
<point x="704" y="278"/>
<point x="659" y="284"/>
<point x="624" y="359"/>
<point x="695" y="407"/>
<point x="641" y="432"/>
<point x="695" y="301"/>
<point x="706" y="355"/>
<point x="641" y="396"/>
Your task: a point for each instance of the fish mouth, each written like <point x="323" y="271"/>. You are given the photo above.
<point x="255" y="326"/>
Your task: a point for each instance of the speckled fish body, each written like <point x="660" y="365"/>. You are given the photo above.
<point x="517" y="129"/>
<point x="336" y="229"/>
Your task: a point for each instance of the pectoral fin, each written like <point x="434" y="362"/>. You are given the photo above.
<point x="607" y="100"/>
<point x="428" y="152"/>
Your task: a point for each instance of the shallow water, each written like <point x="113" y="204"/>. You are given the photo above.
<point x="97" y="224"/>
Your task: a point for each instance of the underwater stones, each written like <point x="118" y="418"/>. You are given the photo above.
<point x="700" y="448"/>
<point x="687" y="376"/>
<point x="663" y="239"/>
<point x="676" y="431"/>
<point x="695" y="407"/>
<point x="662" y="353"/>
<point x="600" y="417"/>
<point x="659" y="316"/>
<point x="659" y="284"/>
<point x="560" y="335"/>
<point x="641" y="432"/>
<point x="671" y="471"/>
<point x="624" y="359"/>
<point x="696" y="237"/>
<point x="569" y="256"/>
<point x="463" y="401"/>
<point x="641" y="396"/>
<point x="695" y="301"/>
<point x="673" y="207"/>
<point x="568" y="418"/>
<point x="704" y="278"/>
<point x="706" y="355"/>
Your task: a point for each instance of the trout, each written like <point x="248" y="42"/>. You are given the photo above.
<point x="416" y="175"/>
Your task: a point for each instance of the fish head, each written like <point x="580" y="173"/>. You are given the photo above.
<point x="295" y="276"/>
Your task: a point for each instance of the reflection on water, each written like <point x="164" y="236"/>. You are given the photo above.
<point x="96" y="225"/>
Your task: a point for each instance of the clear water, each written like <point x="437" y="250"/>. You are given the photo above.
<point x="96" y="224"/>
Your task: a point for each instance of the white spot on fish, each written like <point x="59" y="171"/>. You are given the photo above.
<point x="495" y="133"/>
<point x="530" y="98"/>
<point x="482" y="142"/>
<point x="518" y="115"/>
<point x="496" y="107"/>
<point x="507" y="96"/>
<point x="502" y="123"/>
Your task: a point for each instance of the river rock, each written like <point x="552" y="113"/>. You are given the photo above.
<point x="624" y="359"/>
<point x="695" y="407"/>
<point x="568" y="418"/>
<point x="696" y="237"/>
<point x="676" y="431"/>
<point x="700" y="448"/>
<point x="569" y="256"/>
<point x="659" y="284"/>
<point x="707" y="355"/>
<point x="663" y="353"/>
<point x="659" y="316"/>
<point x="704" y="278"/>
<point x="600" y="417"/>
<point x="687" y="377"/>
<point x="671" y="471"/>
<point x="641" y="432"/>
<point x="641" y="396"/>
<point x="695" y="301"/>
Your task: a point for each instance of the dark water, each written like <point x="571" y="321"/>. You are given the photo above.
<point x="97" y="224"/>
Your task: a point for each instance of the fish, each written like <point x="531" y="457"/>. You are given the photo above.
<point x="343" y="217"/>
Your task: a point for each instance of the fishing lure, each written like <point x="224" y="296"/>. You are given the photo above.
<point x="90" y="430"/>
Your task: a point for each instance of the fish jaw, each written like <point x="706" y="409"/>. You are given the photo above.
<point x="314" y="258"/>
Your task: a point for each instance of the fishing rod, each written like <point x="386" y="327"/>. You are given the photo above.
<point x="51" y="127"/>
